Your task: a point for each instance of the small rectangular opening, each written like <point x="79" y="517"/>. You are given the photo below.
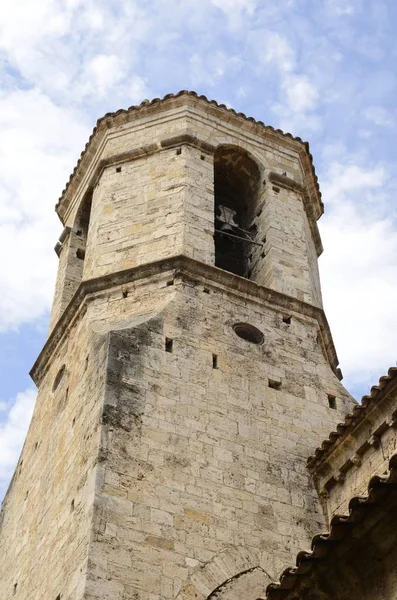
<point x="169" y="344"/>
<point x="15" y="588"/>
<point x="179" y="151"/>
<point x="202" y="157"/>
<point x="214" y="361"/>
<point x="118" y="169"/>
<point x="274" y="384"/>
<point x="170" y="282"/>
<point x="72" y="505"/>
<point x="287" y="319"/>
<point x="332" y="401"/>
<point x="206" y="290"/>
<point x="276" y="189"/>
<point x="80" y="253"/>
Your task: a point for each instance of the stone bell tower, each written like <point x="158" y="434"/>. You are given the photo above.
<point x="189" y="371"/>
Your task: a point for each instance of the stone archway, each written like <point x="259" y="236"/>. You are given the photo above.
<point x="232" y="574"/>
<point x="250" y="585"/>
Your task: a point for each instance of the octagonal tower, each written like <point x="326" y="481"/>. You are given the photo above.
<point x="189" y="371"/>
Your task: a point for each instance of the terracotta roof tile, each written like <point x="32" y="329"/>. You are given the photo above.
<point x="110" y="115"/>
<point x="341" y="528"/>
<point x="351" y="419"/>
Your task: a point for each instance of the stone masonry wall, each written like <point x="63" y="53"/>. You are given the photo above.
<point x="48" y="510"/>
<point x="200" y="461"/>
<point x="196" y="463"/>
<point x="137" y="214"/>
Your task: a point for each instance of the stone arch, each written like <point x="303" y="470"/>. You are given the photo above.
<point x="236" y="191"/>
<point x="229" y="572"/>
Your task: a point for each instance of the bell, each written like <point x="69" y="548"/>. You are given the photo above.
<point x="226" y="217"/>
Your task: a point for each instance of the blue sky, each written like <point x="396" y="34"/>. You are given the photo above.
<point x="323" y="70"/>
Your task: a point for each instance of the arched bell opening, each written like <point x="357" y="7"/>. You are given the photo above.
<point x="236" y="186"/>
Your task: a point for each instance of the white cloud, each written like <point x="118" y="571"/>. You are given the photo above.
<point x="230" y="7"/>
<point x="298" y="104"/>
<point x="38" y="147"/>
<point x="298" y="97"/>
<point x="274" y="48"/>
<point x="13" y="432"/>
<point x="344" y="178"/>
<point x="103" y="72"/>
<point x="359" y="269"/>
<point x="208" y="70"/>
<point x="301" y="94"/>
<point x="379" y="116"/>
<point x="340" y="7"/>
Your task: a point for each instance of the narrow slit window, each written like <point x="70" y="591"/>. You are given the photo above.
<point x="58" y="378"/>
<point x="214" y="361"/>
<point x="332" y="401"/>
<point x="274" y="384"/>
<point x="169" y="344"/>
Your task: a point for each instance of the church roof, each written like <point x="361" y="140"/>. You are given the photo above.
<point x="354" y="418"/>
<point x="107" y="119"/>
<point x="344" y="533"/>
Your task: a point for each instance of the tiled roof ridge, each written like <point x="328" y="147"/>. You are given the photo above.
<point x="146" y="103"/>
<point x="340" y="526"/>
<point x="351" y="419"/>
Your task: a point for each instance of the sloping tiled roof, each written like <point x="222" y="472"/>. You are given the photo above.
<point x="146" y="103"/>
<point x="353" y="418"/>
<point x="342" y="530"/>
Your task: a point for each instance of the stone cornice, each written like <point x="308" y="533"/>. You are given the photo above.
<point x="192" y="99"/>
<point x="188" y="269"/>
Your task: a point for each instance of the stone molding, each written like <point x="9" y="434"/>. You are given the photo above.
<point x="189" y="270"/>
